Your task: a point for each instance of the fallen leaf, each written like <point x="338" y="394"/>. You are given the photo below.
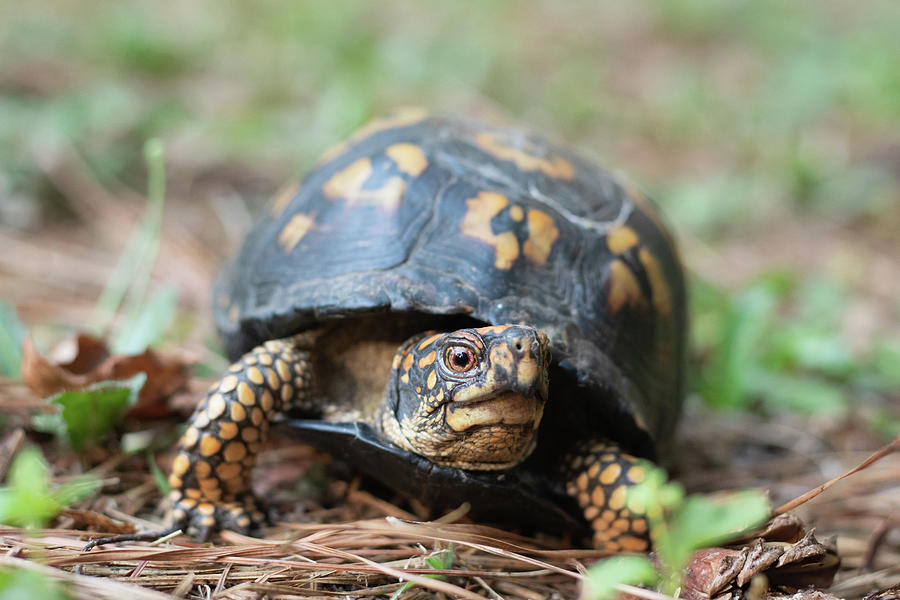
<point x="85" y="360"/>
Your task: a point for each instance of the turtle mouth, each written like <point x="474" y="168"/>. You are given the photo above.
<point x="506" y="409"/>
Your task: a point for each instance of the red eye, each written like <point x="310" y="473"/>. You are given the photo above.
<point x="460" y="359"/>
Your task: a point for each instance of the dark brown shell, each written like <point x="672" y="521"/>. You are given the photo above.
<point x="446" y="216"/>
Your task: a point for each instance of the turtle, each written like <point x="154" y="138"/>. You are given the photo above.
<point x="464" y="312"/>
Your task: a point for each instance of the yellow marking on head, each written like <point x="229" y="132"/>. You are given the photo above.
<point x="408" y="361"/>
<point x="492" y="329"/>
<point x="610" y="474"/>
<point x="621" y="238"/>
<point x="428" y="359"/>
<point x="623" y="287"/>
<point x="432" y="379"/>
<point x="409" y="158"/>
<point x="553" y="166"/>
<point x="293" y="232"/>
<point x="395" y="363"/>
<point x="265" y="359"/>
<point x="477" y="224"/>
<point x="209" y="444"/>
<point x="228" y="430"/>
<point x="501" y="355"/>
<point x="405" y="377"/>
<point x="617" y="498"/>
<point x="430" y="340"/>
<point x="180" y="465"/>
<point x="662" y="300"/>
<point x="516" y="213"/>
<point x="598" y="497"/>
<point x="542" y="234"/>
<point x="272" y="380"/>
<point x="283" y="197"/>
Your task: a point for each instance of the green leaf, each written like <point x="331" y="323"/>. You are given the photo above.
<point x="20" y="584"/>
<point x="29" y="501"/>
<point x="149" y="323"/>
<point x="11" y="335"/>
<point x="87" y="416"/>
<point x="604" y="577"/>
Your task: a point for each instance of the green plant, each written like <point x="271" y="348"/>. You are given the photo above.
<point x="679" y="525"/>
<point x="84" y="417"/>
<point x="30" y="500"/>
<point x="440" y="560"/>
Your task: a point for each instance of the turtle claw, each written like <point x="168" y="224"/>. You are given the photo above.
<point x="201" y="519"/>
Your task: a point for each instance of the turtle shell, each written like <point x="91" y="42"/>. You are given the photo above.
<point x="437" y="215"/>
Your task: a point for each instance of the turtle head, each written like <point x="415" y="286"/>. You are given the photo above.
<point x="471" y="399"/>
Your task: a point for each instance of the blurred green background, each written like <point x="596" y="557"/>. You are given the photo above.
<point x="768" y="131"/>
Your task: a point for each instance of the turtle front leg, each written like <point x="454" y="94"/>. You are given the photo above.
<point x="210" y="477"/>
<point x="598" y="477"/>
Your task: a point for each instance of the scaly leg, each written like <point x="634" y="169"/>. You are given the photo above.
<point x="210" y="476"/>
<point x="598" y="476"/>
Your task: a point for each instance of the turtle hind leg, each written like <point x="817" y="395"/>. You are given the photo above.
<point x="210" y="477"/>
<point x="598" y="476"/>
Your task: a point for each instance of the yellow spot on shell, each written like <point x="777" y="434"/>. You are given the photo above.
<point x="623" y="287"/>
<point x="428" y="359"/>
<point x="477" y="224"/>
<point x="293" y="232"/>
<point x="619" y="239"/>
<point x="432" y="380"/>
<point x="190" y="437"/>
<point x="617" y="498"/>
<point x="408" y="362"/>
<point x="552" y="166"/>
<point x="598" y="497"/>
<point x="348" y="181"/>
<point x="283" y="370"/>
<point x="283" y="198"/>
<point x="542" y="233"/>
<point x="409" y="158"/>
<point x="403" y="117"/>
<point x="662" y="300"/>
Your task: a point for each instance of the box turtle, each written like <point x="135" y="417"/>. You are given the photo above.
<point x="462" y="311"/>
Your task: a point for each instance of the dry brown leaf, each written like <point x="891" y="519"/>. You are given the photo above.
<point x="86" y="360"/>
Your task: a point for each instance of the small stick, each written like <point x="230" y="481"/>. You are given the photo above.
<point x="802" y="499"/>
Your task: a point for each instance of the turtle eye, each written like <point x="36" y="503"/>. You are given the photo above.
<point x="459" y="359"/>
